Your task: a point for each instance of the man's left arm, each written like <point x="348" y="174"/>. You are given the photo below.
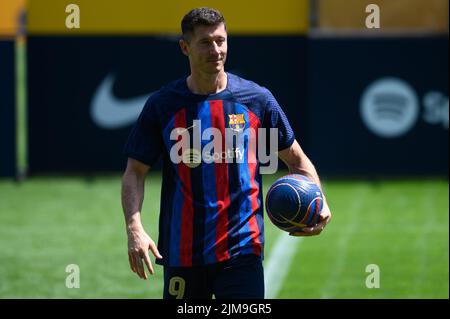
<point x="298" y="163"/>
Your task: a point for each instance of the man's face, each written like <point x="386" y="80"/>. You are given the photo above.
<point x="206" y="48"/>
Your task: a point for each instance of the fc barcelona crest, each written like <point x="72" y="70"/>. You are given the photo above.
<point x="236" y="122"/>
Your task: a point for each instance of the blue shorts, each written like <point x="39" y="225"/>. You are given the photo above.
<point x="241" y="277"/>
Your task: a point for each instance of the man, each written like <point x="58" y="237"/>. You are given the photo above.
<point x="211" y="218"/>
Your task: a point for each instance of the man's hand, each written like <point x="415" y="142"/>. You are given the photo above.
<point x="139" y="243"/>
<point x="324" y="219"/>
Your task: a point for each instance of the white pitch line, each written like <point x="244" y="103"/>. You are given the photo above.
<point x="278" y="263"/>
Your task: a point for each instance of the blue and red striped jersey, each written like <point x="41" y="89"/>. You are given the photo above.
<point x="211" y="197"/>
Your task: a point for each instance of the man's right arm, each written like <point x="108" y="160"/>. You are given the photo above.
<point x="139" y="242"/>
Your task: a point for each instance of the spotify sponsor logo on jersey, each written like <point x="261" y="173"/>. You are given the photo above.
<point x="390" y="108"/>
<point x="192" y="157"/>
<point x="236" y="144"/>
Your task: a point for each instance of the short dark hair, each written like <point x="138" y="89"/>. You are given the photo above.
<point x="200" y="16"/>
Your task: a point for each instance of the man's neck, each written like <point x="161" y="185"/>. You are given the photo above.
<point x="207" y="83"/>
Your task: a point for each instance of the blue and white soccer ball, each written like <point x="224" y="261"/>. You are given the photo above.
<point x="294" y="202"/>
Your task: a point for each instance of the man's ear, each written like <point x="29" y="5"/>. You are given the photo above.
<point x="184" y="47"/>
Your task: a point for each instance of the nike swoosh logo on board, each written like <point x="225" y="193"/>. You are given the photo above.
<point x="109" y="112"/>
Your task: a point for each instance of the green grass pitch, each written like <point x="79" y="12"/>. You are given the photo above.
<point x="47" y="223"/>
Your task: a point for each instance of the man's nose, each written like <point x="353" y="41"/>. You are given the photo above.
<point x="215" y="49"/>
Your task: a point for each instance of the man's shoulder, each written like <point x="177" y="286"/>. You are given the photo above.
<point x="170" y="90"/>
<point x="245" y="88"/>
<point x="166" y="94"/>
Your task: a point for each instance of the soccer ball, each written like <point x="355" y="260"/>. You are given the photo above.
<point x="293" y="202"/>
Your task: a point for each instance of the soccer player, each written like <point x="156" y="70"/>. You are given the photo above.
<point x="211" y="235"/>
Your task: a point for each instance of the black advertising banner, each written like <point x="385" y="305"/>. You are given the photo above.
<point x="84" y="93"/>
<point x="7" y="109"/>
<point x="378" y="106"/>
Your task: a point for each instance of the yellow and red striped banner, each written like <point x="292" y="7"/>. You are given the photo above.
<point x="164" y="17"/>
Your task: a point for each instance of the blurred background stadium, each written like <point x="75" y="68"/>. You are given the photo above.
<point x="368" y="105"/>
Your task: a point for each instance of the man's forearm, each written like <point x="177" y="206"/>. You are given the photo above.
<point x="306" y="167"/>
<point x="297" y="162"/>
<point x="132" y="199"/>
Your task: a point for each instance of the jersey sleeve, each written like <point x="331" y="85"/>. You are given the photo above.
<point x="274" y="117"/>
<point x="145" y="141"/>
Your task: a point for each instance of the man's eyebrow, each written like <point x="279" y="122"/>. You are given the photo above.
<point x="212" y="37"/>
